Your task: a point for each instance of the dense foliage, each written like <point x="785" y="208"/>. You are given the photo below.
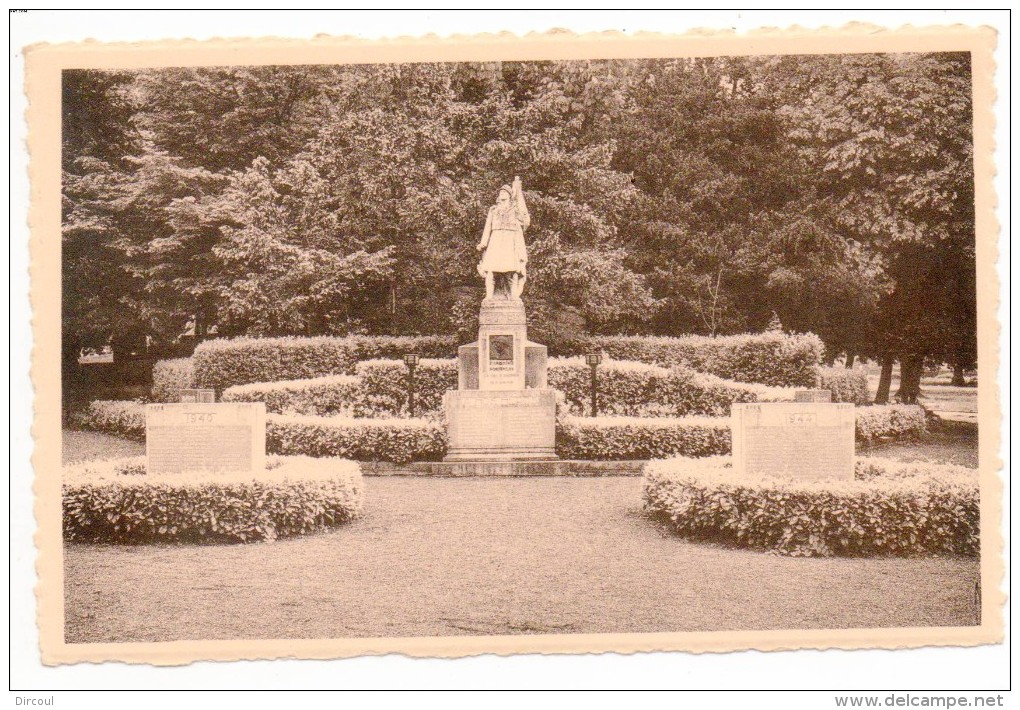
<point x="668" y="196"/>
<point x="890" y="508"/>
<point x="118" y="501"/>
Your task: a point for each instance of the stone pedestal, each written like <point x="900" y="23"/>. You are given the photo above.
<point x="797" y="439"/>
<point x="501" y="425"/>
<point x="502" y="409"/>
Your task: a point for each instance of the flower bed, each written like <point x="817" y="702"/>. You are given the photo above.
<point x="890" y="508"/>
<point x="117" y="501"/>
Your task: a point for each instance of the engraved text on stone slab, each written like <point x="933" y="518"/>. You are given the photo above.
<point x="798" y="439"/>
<point x="228" y="437"/>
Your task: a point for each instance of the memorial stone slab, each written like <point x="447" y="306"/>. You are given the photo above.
<point x="229" y="437"/>
<point x="806" y="440"/>
<point x="501" y="425"/>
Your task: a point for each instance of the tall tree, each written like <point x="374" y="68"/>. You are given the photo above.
<point x="891" y="138"/>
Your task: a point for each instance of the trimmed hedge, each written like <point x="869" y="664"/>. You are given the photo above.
<point x="625" y="388"/>
<point x="117" y="501"/>
<point x="169" y="377"/>
<point x="396" y="440"/>
<point x="890" y="421"/>
<point x="224" y="363"/>
<point x="639" y="389"/>
<point x="846" y="385"/>
<point x="889" y="509"/>
<point x="384" y="386"/>
<point x="772" y="358"/>
<point x="622" y="438"/>
<point x="403" y="439"/>
<point x="111" y="416"/>
<point x="324" y="396"/>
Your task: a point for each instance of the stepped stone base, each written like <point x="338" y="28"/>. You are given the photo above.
<point x="453" y="469"/>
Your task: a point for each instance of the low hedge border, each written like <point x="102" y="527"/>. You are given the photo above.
<point x="621" y="438"/>
<point x="117" y="501"/>
<point x="395" y="440"/>
<point x="889" y="508"/>
<point x="401" y="440"/>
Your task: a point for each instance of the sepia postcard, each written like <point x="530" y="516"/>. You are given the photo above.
<point x="498" y="344"/>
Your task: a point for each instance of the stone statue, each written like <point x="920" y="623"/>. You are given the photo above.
<point x="504" y="263"/>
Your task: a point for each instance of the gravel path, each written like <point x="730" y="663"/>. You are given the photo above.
<point x="493" y="556"/>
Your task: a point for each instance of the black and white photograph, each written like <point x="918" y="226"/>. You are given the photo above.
<point x="524" y="347"/>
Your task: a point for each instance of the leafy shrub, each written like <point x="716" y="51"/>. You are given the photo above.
<point x="625" y="388"/>
<point x="397" y="440"/>
<point x="888" y="509"/>
<point x="890" y="421"/>
<point x="223" y="363"/>
<point x="118" y="417"/>
<point x="117" y="501"/>
<point x="771" y="358"/>
<point x="330" y="395"/>
<point x="638" y="389"/>
<point x="846" y="385"/>
<point x="384" y="386"/>
<point x="169" y="377"/>
<point x="620" y="438"/>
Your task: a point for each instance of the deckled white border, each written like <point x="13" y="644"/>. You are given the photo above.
<point x="765" y="672"/>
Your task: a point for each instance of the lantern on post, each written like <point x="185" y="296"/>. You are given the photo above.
<point x="411" y="360"/>
<point x="593" y="360"/>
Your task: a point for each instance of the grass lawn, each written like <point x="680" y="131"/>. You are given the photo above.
<point x="491" y="556"/>
<point x="954" y="403"/>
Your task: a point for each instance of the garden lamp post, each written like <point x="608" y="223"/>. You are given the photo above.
<point x="593" y="360"/>
<point x="411" y="360"/>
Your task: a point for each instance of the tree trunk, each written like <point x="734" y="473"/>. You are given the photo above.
<point x="851" y="358"/>
<point x="885" y="381"/>
<point x="958" y="378"/>
<point x="911" y="368"/>
<point x="72" y="389"/>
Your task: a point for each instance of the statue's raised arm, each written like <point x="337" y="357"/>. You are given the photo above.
<point x="504" y="262"/>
